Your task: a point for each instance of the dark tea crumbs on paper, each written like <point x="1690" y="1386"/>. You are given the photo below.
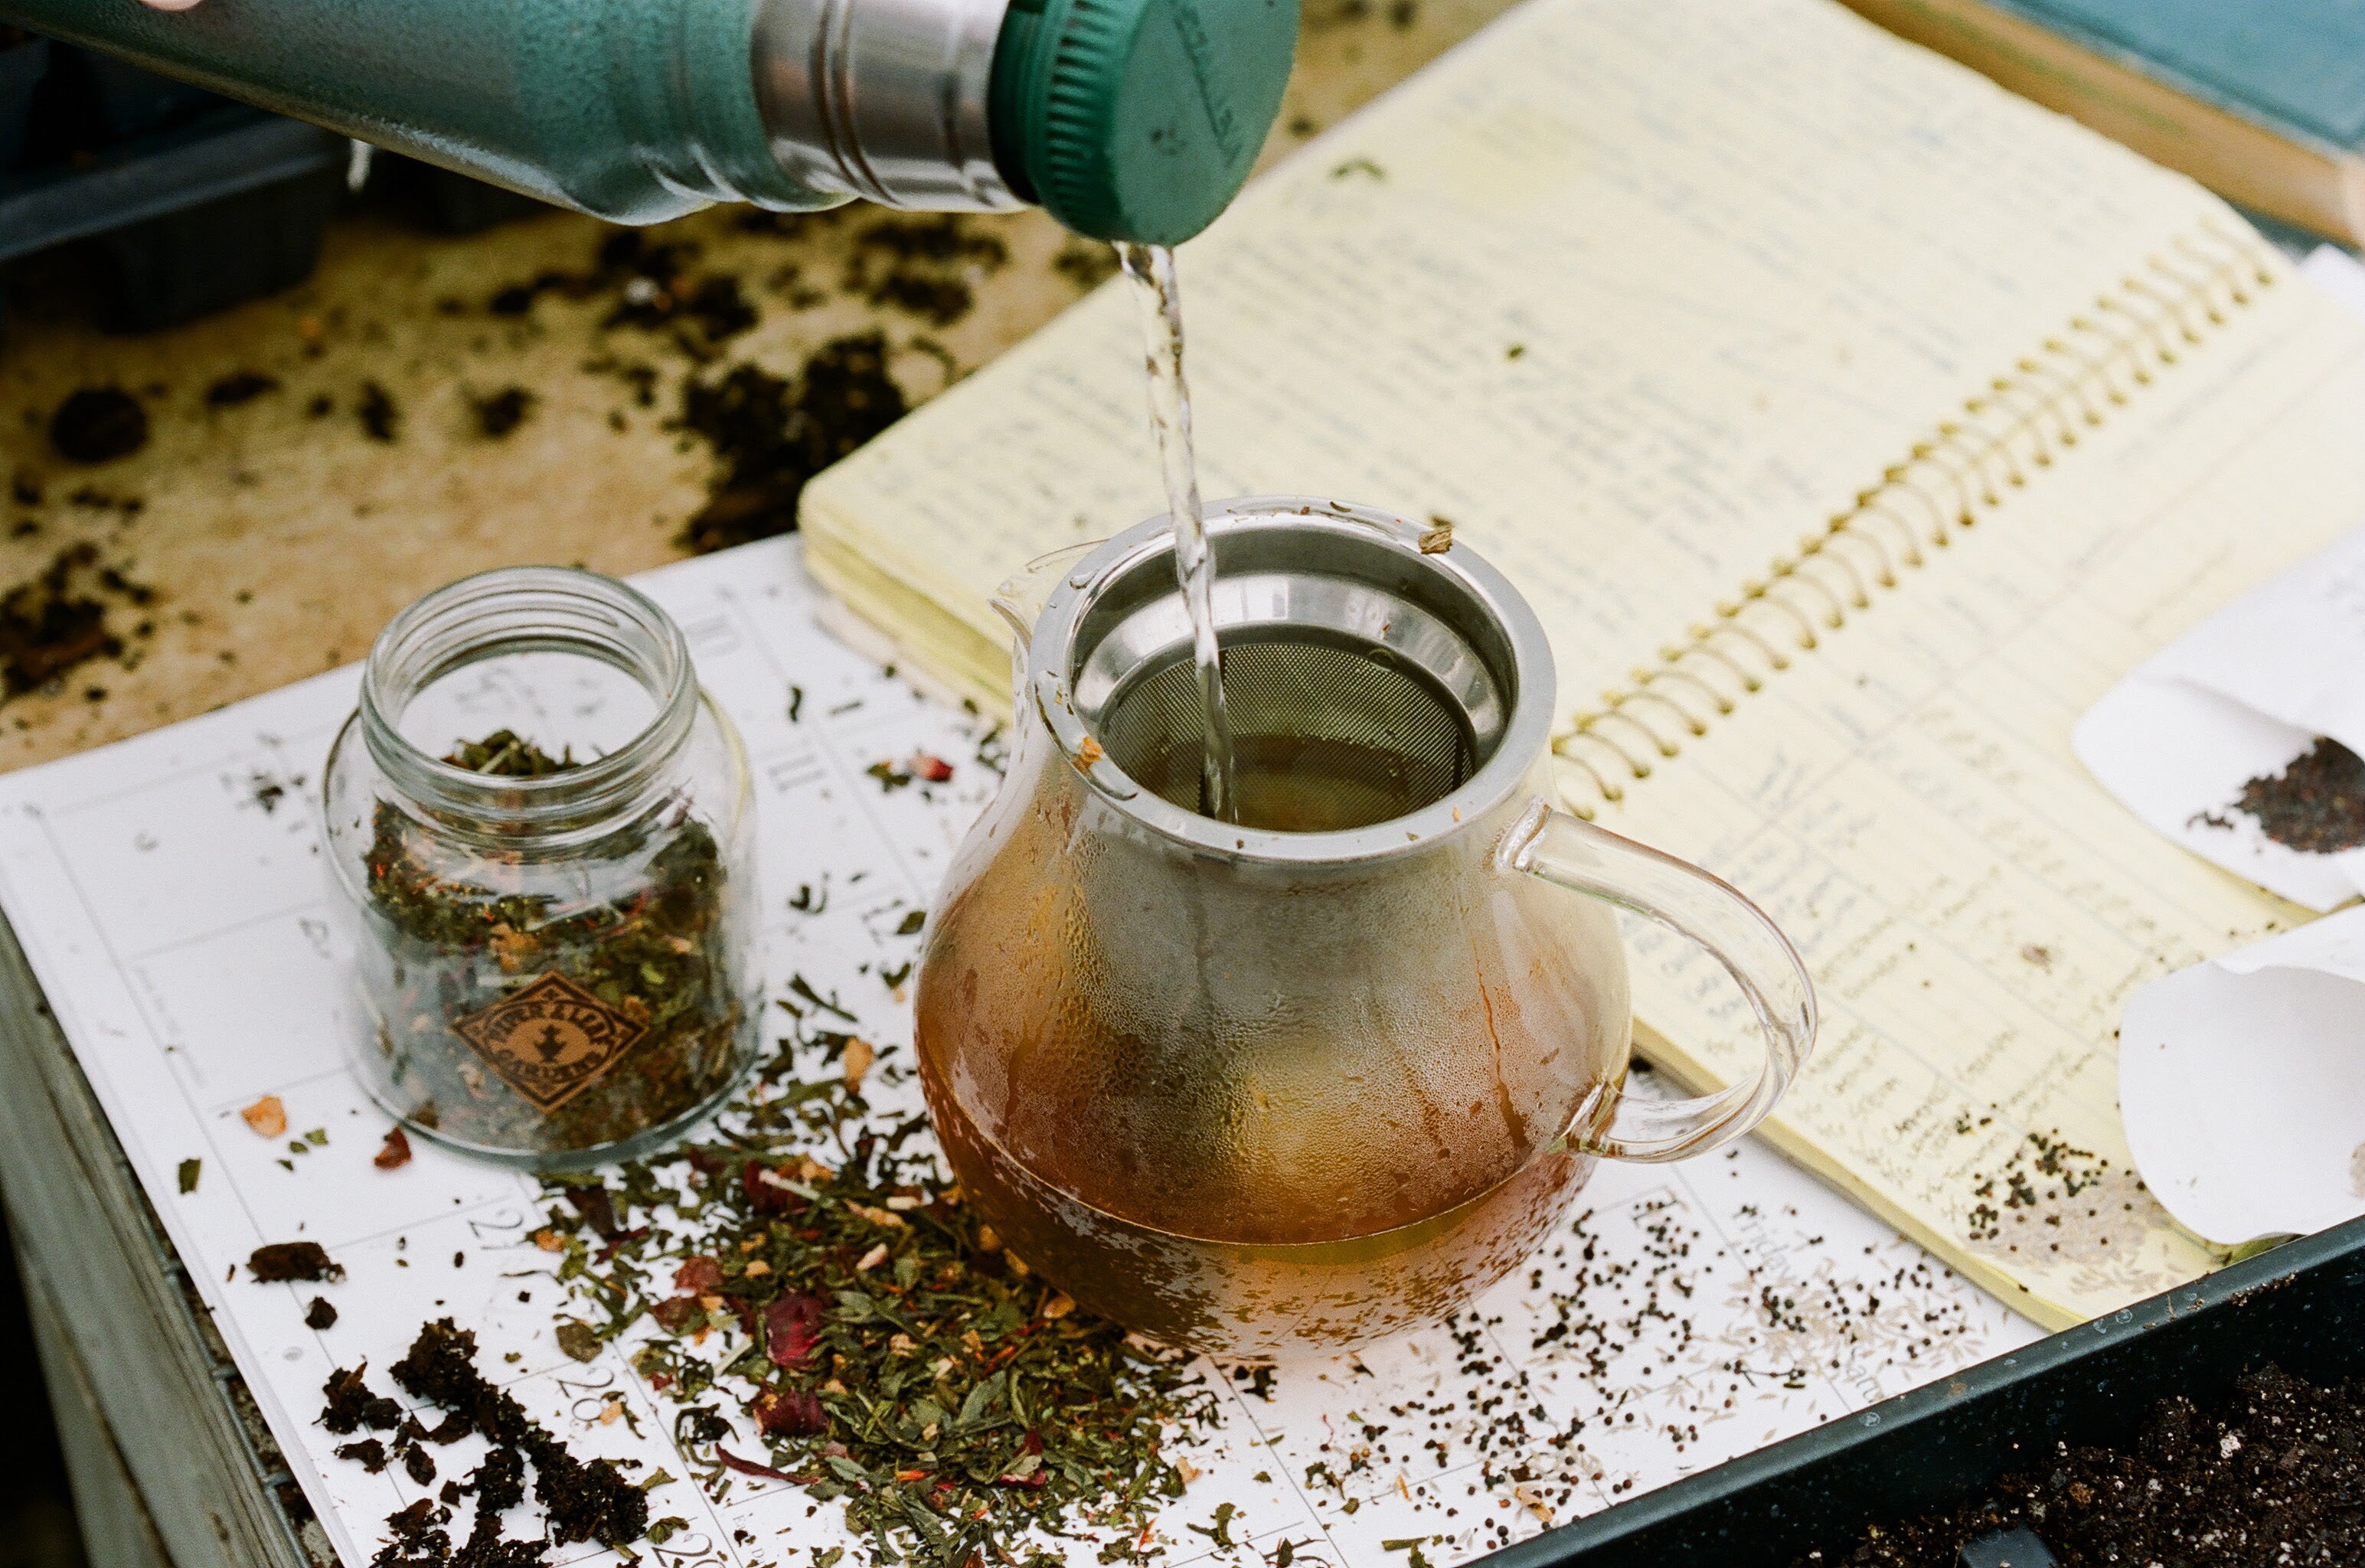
<point x="2315" y="805"/>
<point x="580" y="1501"/>
<point x="279" y="1261"/>
<point x="321" y="1313"/>
<point x="2273" y="1474"/>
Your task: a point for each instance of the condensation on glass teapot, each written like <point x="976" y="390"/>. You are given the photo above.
<point x="1301" y="1079"/>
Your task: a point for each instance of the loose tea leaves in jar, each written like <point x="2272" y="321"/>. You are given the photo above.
<point x="603" y="1020"/>
<point x="551" y="941"/>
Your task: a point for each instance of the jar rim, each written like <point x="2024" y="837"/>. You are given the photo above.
<point x="529" y="610"/>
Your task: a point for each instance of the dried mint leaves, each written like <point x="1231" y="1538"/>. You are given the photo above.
<point x="882" y="1346"/>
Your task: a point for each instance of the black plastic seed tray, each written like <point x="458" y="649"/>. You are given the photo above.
<point x="2300" y="1306"/>
<point x="184" y="202"/>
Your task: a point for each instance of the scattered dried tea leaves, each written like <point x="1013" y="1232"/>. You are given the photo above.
<point x="279" y="1261"/>
<point x="505" y="754"/>
<point x="579" y="1341"/>
<point x="579" y="1501"/>
<point x="321" y="1313"/>
<point x="858" y="1055"/>
<point x="2315" y="805"/>
<point x="267" y="1116"/>
<point x="98" y="424"/>
<point x="395" y="1153"/>
<point x="885" y="1355"/>
<point x="189" y="1172"/>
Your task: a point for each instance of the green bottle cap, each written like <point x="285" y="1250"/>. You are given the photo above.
<point x="1138" y="120"/>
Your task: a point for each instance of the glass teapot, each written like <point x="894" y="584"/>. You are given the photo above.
<point x="1299" y="1080"/>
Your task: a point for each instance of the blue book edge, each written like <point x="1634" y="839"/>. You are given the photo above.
<point x="2200" y="89"/>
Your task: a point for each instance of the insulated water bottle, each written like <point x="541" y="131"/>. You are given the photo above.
<point x="1126" y="120"/>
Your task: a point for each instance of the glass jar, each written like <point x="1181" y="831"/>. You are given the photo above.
<point x="539" y="829"/>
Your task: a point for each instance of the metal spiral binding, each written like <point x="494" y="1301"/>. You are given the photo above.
<point x="1968" y="465"/>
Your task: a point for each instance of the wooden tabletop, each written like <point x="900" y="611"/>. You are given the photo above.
<point x="249" y="543"/>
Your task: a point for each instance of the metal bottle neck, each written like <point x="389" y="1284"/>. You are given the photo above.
<point x="884" y="99"/>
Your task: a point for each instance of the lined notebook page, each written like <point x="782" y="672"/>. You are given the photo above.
<point x="1904" y="802"/>
<point x="1639" y="295"/>
<point x="1635" y="294"/>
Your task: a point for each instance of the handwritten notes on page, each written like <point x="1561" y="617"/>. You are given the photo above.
<point x="1977" y="908"/>
<point x="1636" y="295"/>
<point x="168" y="893"/>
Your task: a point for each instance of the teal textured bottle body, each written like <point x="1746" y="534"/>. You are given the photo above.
<point x="639" y="110"/>
<point x="632" y="111"/>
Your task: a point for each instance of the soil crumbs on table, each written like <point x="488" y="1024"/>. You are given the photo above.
<point x="2274" y="1475"/>
<point x="771" y="436"/>
<point x="57" y="621"/>
<point x="2315" y="805"/>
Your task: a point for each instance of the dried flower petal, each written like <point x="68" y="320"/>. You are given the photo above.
<point x="396" y="1152"/>
<point x="859" y="1054"/>
<point x="768" y="1192"/>
<point x="267" y="1116"/>
<point x="749" y="1467"/>
<point x="788" y="1412"/>
<point x="792" y="1326"/>
<point x="677" y="1314"/>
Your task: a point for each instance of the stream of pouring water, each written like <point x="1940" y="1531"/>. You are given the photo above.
<point x="1151" y="270"/>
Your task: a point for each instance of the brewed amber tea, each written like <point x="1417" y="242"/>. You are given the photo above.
<point x="1203" y="1156"/>
<point x="1300" y="1078"/>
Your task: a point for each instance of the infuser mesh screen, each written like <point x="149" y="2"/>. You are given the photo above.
<point x="1324" y="738"/>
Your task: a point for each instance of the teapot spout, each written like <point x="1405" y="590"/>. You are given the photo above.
<point x="1020" y="598"/>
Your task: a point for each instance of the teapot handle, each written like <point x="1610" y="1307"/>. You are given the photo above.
<point x="1702" y="909"/>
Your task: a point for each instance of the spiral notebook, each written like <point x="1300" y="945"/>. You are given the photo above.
<point x="1852" y="425"/>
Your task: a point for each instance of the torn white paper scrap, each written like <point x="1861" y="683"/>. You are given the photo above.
<point x="2240" y="698"/>
<point x="2179" y="756"/>
<point x="2338" y="274"/>
<point x="2242" y="1083"/>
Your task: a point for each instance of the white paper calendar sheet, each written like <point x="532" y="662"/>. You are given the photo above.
<point x="170" y="895"/>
